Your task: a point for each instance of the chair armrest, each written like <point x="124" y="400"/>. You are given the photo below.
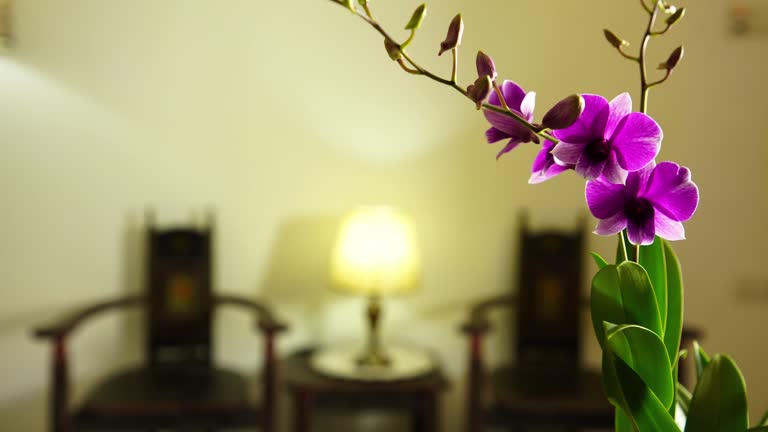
<point x="61" y="328"/>
<point x="265" y="318"/>
<point x="478" y="323"/>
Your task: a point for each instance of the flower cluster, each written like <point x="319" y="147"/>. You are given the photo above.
<point x="614" y="149"/>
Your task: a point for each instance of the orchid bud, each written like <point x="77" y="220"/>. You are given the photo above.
<point x="673" y="59"/>
<point x="453" y="38"/>
<point x="417" y="17"/>
<point x="348" y="4"/>
<point x="675" y="17"/>
<point x="362" y="2"/>
<point x="564" y="113"/>
<point x="485" y="66"/>
<point x="393" y="49"/>
<point x="480" y="90"/>
<point x="614" y="40"/>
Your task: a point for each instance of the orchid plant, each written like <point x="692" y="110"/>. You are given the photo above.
<point x="636" y="302"/>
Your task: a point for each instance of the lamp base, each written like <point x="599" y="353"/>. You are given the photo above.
<point x="344" y="362"/>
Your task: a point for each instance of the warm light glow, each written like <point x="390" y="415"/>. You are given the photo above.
<point x="376" y="253"/>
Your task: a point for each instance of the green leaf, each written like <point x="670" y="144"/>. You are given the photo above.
<point x="700" y="358"/>
<point x="623" y="295"/>
<point x="763" y="420"/>
<point x="598" y="260"/>
<point x="674" y="319"/>
<point x="622" y="423"/>
<point x="683" y="398"/>
<point x="719" y="402"/>
<point x="644" y="352"/>
<point x="625" y="389"/>
<point x="417" y="17"/>
<point x="758" y="429"/>
<point x="653" y="261"/>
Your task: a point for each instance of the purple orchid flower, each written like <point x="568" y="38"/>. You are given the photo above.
<point x="655" y="201"/>
<point x="546" y="166"/>
<point x="502" y="126"/>
<point x="608" y="139"/>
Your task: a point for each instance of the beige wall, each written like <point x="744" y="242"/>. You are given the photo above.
<point x="282" y="115"/>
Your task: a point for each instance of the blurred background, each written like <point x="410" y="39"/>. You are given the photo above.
<point x="281" y="116"/>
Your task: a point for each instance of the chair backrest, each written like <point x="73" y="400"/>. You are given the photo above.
<point x="549" y="299"/>
<point x="179" y="296"/>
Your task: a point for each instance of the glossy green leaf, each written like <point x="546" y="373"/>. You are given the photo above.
<point x="653" y="261"/>
<point x="700" y="358"/>
<point x="621" y="422"/>
<point x="763" y="420"/>
<point x="644" y="352"/>
<point x="719" y="402"/>
<point x="683" y="398"/>
<point x="623" y="295"/>
<point x="625" y="389"/>
<point x="417" y="17"/>
<point x="599" y="260"/>
<point x="674" y="320"/>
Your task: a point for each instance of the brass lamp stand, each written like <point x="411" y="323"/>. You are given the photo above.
<point x="374" y="354"/>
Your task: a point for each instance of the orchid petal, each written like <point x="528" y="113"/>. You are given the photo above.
<point x="590" y="124"/>
<point x="620" y="106"/>
<point x="612" y="172"/>
<point x="604" y="199"/>
<point x="642" y="232"/>
<point x="527" y="105"/>
<point x="636" y="140"/>
<point x="513" y="94"/>
<point x="569" y="152"/>
<point x="507" y="124"/>
<point x="510" y="146"/>
<point x="637" y="180"/>
<point x="590" y="169"/>
<point x="612" y="225"/>
<point x="543" y="157"/>
<point x="672" y="192"/>
<point x="495" y="135"/>
<point x="668" y="228"/>
<point x="547" y="173"/>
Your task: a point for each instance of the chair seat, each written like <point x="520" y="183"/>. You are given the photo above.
<point x="170" y="397"/>
<point x="567" y="396"/>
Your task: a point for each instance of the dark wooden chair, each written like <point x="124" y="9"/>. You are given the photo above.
<point x="547" y="386"/>
<point x="178" y="386"/>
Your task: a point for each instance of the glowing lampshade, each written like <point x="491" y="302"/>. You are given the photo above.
<point x="376" y="253"/>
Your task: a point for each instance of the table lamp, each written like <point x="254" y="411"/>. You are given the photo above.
<point x="375" y="256"/>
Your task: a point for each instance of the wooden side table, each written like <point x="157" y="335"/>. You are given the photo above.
<point x="311" y="390"/>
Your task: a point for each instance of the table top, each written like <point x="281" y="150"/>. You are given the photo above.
<point x="299" y="376"/>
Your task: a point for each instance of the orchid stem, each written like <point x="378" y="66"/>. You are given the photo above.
<point x="637" y="253"/>
<point x="418" y="70"/>
<point x="644" y="87"/>
<point x="408" y="41"/>
<point x="623" y="244"/>
<point x="499" y="93"/>
<point x="645" y="6"/>
<point x="406" y="68"/>
<point x="666" y="76"/>
<point x="367" y="10"/>
<point x="454" y="70"/>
